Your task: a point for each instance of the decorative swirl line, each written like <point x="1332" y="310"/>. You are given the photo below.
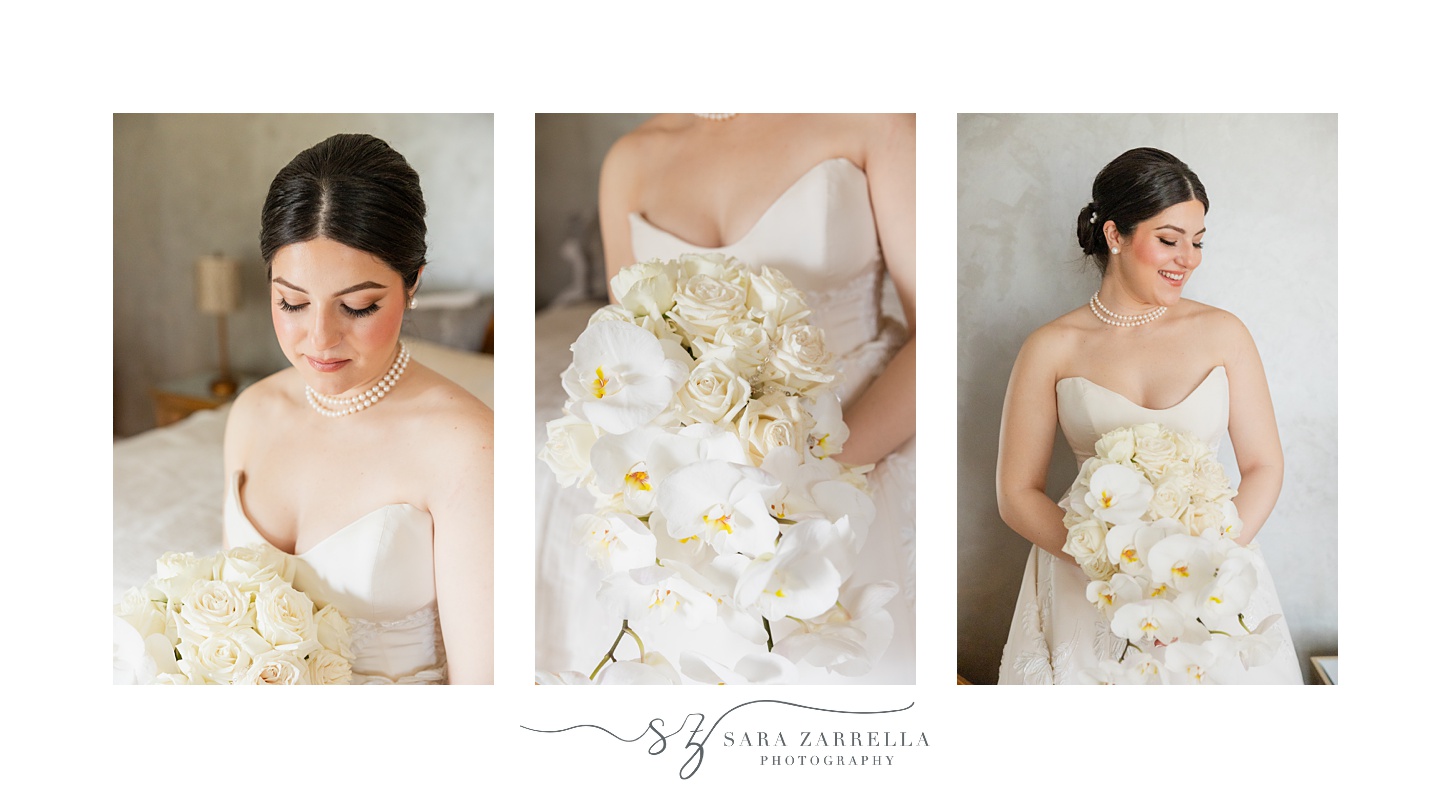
<point x="697" y="749"/>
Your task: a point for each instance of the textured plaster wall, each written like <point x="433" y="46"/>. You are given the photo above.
<point x="187" y="185"/>
<point x="568" y="152"/>
<point x="1270" y="258"/>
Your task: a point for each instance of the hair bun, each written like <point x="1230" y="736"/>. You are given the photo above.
<point x="1088" y="227"/>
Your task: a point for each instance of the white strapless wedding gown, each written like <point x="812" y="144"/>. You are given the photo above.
<point x="378" y="571"/>
<point x="822" y="235"/>
<point x="1056" y="632"/>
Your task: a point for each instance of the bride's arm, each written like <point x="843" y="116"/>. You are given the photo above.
<point x="1252" y="430"/>
<point x="463" y="535"/>
<point x="885" y="415"/>
<point x="618" y="178"/>
<point x="1025" y="446"/>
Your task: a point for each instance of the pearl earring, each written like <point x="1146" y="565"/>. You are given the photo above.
<point x="413" y="300"/>
<point x="1114" y="250"/>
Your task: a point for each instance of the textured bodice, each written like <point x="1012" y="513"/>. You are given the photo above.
<point x="822" y="235"/>
<point x="378" y="571"/>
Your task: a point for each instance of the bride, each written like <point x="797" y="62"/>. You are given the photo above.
<point x="829" y="201"/>
<point x="374" y="470"/>
<point x="1137" y="352"/>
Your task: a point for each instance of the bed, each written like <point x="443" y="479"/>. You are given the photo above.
<point x="168" y="482"/>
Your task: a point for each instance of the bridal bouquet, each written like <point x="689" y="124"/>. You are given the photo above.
<point x="231" y="618"/>
<point x="701" y="419"/>
<point x="1151" y="523"/>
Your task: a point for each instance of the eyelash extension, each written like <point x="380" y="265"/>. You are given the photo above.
<point x="361" y="313"/>
<point x="286" y="308"/>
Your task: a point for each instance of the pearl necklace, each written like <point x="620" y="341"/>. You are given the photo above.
<point x="1109" y="317"/>
<point x="336" y="406"/>
<point x="716" y="117"/>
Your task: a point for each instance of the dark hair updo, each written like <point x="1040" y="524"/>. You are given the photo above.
<point x="356" y="190"/>
<point x="1135" y="186"/>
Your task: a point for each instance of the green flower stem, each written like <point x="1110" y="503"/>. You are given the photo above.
<point x="770" y="643"/>
<point x="610" y="655"/>
<point x="1243" y="624"/>
<point x="638" y="641"/>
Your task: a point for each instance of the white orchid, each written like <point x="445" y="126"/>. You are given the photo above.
<point x="846" y="639"/>
<point x="758" y="668"/>
<point x="652" y="668"/>
<point x="1149" y="620"/>
<point x="725" y="504"/>
<point x="621" y="470"/>
<point x="1118" y="494"/>
<point x="621" y="377"/>
<point x="1118" y="591"/>
<point x="655" y="596"/>
<point x="1184" y="562"/>
<point x="615" y="541"/>
<point x="796" y="579"/>
<point x="1222" y="600"/>
<point x="1190" y="663"/>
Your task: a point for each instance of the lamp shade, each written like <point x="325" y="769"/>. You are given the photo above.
<point x="218" y="284"/>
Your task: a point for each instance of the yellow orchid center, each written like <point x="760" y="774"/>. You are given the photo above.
<point x="1159" y="590"/>
<point x="639" y="480"/>
<point x="1216" y="599"/>
<point x="1149" y="626"/>
<point x="780" y="593"/>
<point x="1181" y="571"/>
<point x="721" y="522"/>
<point x="1105" y="500"/>
<point x="600" y="382"/>
<point x="1129" y="555"/>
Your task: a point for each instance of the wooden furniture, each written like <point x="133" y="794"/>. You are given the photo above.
<point x="175" y="399"/>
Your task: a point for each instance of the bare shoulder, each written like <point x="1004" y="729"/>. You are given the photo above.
<point x="1050" y="348"/>
<point x="451" y="418"/>
<point x="1220" y="326"/>
<point x="267" y="398"/>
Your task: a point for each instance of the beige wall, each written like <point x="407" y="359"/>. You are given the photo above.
<point x="187" y="185"/>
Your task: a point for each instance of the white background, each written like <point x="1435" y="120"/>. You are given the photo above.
<point x="66" y="73"/>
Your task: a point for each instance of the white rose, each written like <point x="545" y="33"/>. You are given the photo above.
<point x="334" y="631"/>
<point x="141" y="612"/>
<point x="213" y="606"/>
<point x="704" y="304"/>
<point x="1213" y="483"/>
<point x="285" y="615"/>
<point x="567" y="451"/>
<point x="773" y="421"/>
<point x="1085" y="545"/>
<point x="1116" y="446"/>
<point x="1171" y="497"/>
<point x="646" y="289"/>
<point x="222" y="657"/>
<point x="1154" y="449"/>
<point x="743" y="345"/>
<point x="713" y="393"/>
<point x="177" y="572"/>
<point x="775" y="300"/>
<point x="801" y="359"/>
<point x="1204" y="520"/>
<point x="276" y="667"/>
<point x="325" y="667"/>
<point x="721" y="267"/>
<point x="248" y="567"/>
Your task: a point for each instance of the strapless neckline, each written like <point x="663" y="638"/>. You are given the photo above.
<point x="357" y="523"/>
<point x="755" y="226"/>
<point x="1177" y="404"/>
